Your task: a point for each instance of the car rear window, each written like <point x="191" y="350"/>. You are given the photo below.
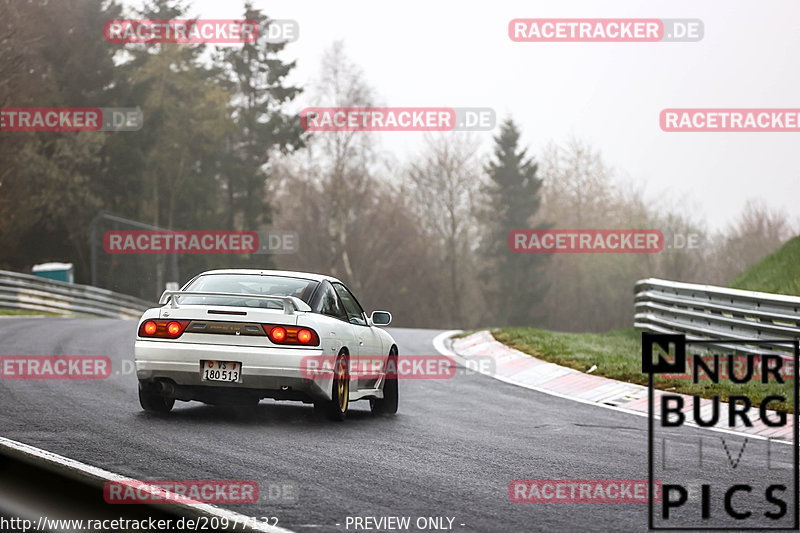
<point x="248" y="284"/>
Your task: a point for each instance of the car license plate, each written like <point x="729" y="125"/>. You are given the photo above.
<point x="222" y="371"/>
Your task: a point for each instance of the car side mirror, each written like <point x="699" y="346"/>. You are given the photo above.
<point x="380" y="318"/>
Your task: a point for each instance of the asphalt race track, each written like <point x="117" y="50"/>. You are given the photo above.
<point x="451" y="451"/>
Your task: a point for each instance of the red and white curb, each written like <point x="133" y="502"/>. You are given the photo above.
<point x="521" y="369"/>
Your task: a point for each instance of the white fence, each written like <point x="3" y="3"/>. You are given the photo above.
<point x="709" y="312"/>
<point x="32" y="293"/>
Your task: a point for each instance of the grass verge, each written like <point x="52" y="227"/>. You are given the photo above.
<point x="618" y="355"/>
<point x="778" y="272"/>
<point x="23" y="312"/>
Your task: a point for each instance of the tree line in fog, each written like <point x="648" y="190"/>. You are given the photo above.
<point x="222" y="148"/>
<point x="428" y="237"/>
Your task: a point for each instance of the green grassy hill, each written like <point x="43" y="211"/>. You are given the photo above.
<point x="778" y="272"/>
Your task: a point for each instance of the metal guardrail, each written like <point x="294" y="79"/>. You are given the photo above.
<point x="32" y="293"/>
<point x="41" y="487"/>
<point x="703" y="312"/>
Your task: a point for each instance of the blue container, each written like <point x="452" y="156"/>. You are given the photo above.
<point x="57" y="271"/>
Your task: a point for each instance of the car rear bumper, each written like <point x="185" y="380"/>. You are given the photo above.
<point x="265" y="372"/>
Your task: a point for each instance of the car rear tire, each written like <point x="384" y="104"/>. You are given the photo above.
<point x="154" y="402"/>
<point x="388" y="405"/>
<point x="336" y="408"/>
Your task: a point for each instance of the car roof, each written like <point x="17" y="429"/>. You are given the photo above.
<point x="284" y="273"/>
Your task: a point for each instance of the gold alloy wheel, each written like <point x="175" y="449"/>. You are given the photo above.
<point x="343" y="385"/>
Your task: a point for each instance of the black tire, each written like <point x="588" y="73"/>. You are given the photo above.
<point x="388" y="405"/>
<point x="154" y="402"/>
<point x="336" y="408"/>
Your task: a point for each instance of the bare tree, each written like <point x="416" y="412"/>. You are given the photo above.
<point x="757" y="232"/>
<point x="579" y="193"/>
<point x="444" y="179"/>
<point x="352" y="221"/>
<point x="578" y="190"/>
<point x="342" y="161"/>
<point x="592" y="292"/>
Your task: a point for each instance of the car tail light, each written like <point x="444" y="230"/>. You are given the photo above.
<point x="292" y="335"/>
<point x="165" y="329"/>
<point x="304" y="336"/>
<point x="174" y="329"/>
<point x="277" y="334"/>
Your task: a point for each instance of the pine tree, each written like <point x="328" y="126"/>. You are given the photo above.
<point x="511" y="281"/>
<point x="257" y="77"/>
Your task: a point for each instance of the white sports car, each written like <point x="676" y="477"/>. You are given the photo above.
<point x="237" y="336"/>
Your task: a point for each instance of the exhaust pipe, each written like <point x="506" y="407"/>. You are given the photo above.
<point x="166" y="388"/>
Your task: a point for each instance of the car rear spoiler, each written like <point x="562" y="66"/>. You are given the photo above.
<point x="290" y="303"/>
